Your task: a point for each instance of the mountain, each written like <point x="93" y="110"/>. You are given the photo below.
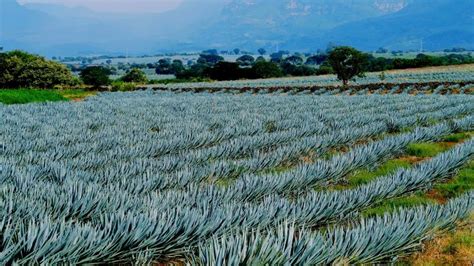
<point x="15" y="31"/>
<point x="277" y="22"/>
<point x="304" y="25"/>
<point x="431" y="24"/>
<point x="53" y="29"/>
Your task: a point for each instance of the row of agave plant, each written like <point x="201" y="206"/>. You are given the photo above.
<point x="39" y="232"/>
<point x="191" y="166"/>
<point x="54" y="212"/>
<point x="247" y="186"/>
<point x="197" y="173"/>
<point x="371" y="240"/>
<point x="442" y="89"/>
<point x="201" y="123"/>
<point x="88" y="187"/>
<point x="370" y="78"/>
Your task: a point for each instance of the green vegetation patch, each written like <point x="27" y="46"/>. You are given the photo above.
<point x="364" y="176"/>
<point x="76" y="94"/>
<point x="392" y="205"/>
<point x="464" y="239"/>
<point x="458" y="137"/>
<point x="425" y="150"/>
<point x="22" y="96"/>
<point x="463" y="182"/>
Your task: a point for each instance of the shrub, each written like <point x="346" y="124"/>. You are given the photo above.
<point x="263" y="69"/>
<point x="123" y="86"/>
<point x="225" y="71"/>
<point x="96" y="76"/>
<point x="135" y="75"/>
<point x="21" y="69"/>
<point x="298" y="70"/>
<point x="195" y="71"/>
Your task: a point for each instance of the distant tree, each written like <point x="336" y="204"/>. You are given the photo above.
<point x="297" y="70"/>
<point x="455" y="50"/>
<point x="377" y="63"/>
<point x="96" y="76"/>
<point x="209" y="59"/>
<point x="135" y="75"/>
<point x="316" y="59"/>
<point x="194" y="71"/>
<point x="121" y="66"/>
<point x="210" y="52"/>
<point x="163" y="67"/>
<point x="236" y="51"/>
<point x="277" y="57"/>
<point x="293" y="65"/>
<point x="324" y="69"/>
<point x="347" y="63"/>
<point x="293" y="60"/>
<point x="264" y="69"/>
<point x="381" y="50"/>
<point x="108" y="61"/>
<point x="21" y="69"/>
<point x="112" y="69"/>
<point x="225" y="71"/>
<point x="245" y="60"/>
<point x="262" y="51"/>
<point x="177" y="66"/>
<point x="260" y="59"/>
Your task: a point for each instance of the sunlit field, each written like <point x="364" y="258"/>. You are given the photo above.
<point x="159" y="177"/>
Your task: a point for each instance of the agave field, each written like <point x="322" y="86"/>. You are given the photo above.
<point x="155" y="177"/>
<point x="458" y="79"/>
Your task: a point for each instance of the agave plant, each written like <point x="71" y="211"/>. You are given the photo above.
<point x="140" y="176"/>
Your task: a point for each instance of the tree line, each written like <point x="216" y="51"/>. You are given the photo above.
<point x="23" y="70"/>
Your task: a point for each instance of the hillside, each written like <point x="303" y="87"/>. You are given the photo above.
<point x="435" y="25"/>
<point x="304" y="25"/>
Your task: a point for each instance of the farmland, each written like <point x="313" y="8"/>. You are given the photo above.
<point x="431" y="77"/>
<point x="222" y="179"/>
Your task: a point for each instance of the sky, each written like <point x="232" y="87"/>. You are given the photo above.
<point x="115" y="5"/>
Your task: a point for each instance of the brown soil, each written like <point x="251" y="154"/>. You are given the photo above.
<point x="452" y="248"/>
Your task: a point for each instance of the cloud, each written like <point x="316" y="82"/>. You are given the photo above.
<point x="115" y="5"/>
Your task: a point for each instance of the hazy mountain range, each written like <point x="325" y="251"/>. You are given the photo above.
<point x="304" y="25"/>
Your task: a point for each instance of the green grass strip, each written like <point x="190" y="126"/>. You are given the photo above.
<point x="22" y="96"/>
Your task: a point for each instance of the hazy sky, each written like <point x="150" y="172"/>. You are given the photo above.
<point x="116" y="5"/>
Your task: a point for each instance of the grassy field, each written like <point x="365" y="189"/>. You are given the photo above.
<point x="23" y="96"/>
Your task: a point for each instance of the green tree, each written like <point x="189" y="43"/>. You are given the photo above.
<point x="20" y="69"/>
<point x="135" y="75"/>
<point x="164" y="67"/>
<point x="225" y="71"/>
<point x="262" y="51"/>
<point x="209" y="59"/>
<point x="347" y="63"/>
<point x="264" y="69"/>
<point x="96" y="76"/>
<point x="294" y="60"/>
<point x="245" y="60"/>
<point x="177" y="66"/>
